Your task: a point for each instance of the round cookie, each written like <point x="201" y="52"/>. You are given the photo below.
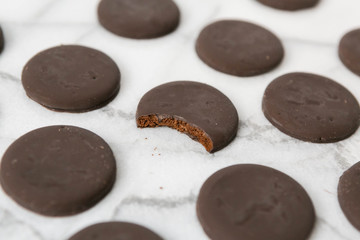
<point x="197" y="109"/>
<point x="311" y="108"/>
<point x="1" y="40"/>
<point x="239" y="48"/>
<point x="254" y="202"/>
<point x="139" y="19"/>
<point x="58" y="170"/>
<point x="290" y="5"/>
<point x="115" y="231"/>
<point x="71" y="78"/>
<point x="349" y="194"/>
<point x="349" y="51"/>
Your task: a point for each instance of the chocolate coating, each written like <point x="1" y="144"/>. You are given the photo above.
<point x="71" y="78"/>
<point x="239" y="48"/>
<point x="139" y="19"/>
<point x="1" y="40"/>
<point x="199" y="110"/>
<point x="311" y="108"/>
<point x="349" y="51"/>
<point x="290" y="5"/>
<point x="349" y="194"/>
<point x="58" y="170"/>
<point x="254" y="202"/>
<point x="115" y="231"/>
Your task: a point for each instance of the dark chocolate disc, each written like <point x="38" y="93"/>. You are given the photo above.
<point x="349" y="51"/>
<point x="311" y="108"/>
<point x="349" y="194"/>
<point x="254" y="202"/>
<point x="239" y="48"/>
<point x="71" y="78"/>
<point x="290" y="5"/>
<point x="199" y="110"/>
<point x="58" y="170"/>
<point x="139" y="19"/>
<point x="115" y="231"/>
<point x="1" y="40"/>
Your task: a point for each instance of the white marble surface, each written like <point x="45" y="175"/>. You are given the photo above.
<point x="159" y="170"/>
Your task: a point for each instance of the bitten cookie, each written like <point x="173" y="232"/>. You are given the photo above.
<point x="197" y="109"/>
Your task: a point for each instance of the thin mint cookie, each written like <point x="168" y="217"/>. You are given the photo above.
<point x="115" y="231"/>
<point x="239" y="48"/>
<point x="1" y="40"/>
<point x="349" y="194"/>
<point x="349" y="51"/>
<point x="290" y="5"/>
<point x="197" y="109"/>
<point x="311" y="108"/>
<point x="71" y="78"/>
<point x="139" y="19"/>
<point x="254" y="202"/>
<point x="58" y="170"/>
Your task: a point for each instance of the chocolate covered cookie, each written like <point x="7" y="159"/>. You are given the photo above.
<point x="239" y="48"/>
<point x="139" y="19"/>
<point x="199" y="110"/>
<point x="71" y="78"/>
<point x="290" y="5"/>
<point x="115" y="231"/>
<point x="349" y="194"/>
<point x="349" y="51"/>
<point x="1" y="40"/>
<point x="311" y="108"/>
<point x="58" y="170"/>
<point x="254" y="202"/>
